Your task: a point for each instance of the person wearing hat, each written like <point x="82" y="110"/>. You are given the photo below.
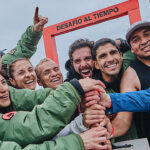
<point x="136" y="77"/>
<point x="27" y="45"/>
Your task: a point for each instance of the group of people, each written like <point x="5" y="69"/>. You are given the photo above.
<point x="71" y="113"/>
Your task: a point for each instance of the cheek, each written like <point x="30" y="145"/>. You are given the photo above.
<point x="46" y="78"/>
<point x="76" y="67"/>
<point x="18" y="79"/>
<point x="134" y="47"/>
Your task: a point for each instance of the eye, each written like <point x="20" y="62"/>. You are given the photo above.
<point x="46" y="72"/>
<point x="88" y="58"/>
<point x="56" y="69"/>
<point x="3" y="82"/>
<point x="21" y="72"/>
<point x="30" y="69"/>
<point x="147" y="34"/>
<point x="135" y="39"/>
<point x="102" y="56"/>
<point x="77" y="61"/>
<point x="113" y="52"/>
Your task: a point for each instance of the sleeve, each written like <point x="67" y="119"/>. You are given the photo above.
<point x="138" y="101"/>
<point x="75" y="126"/>
<point x="44" y="121"/>
<point x="9" y="146"/>
<point x="25" y="48"/>
<point x="70" y="142"/>
<point x="128" y="58"/>
<point x="25" y="99"/>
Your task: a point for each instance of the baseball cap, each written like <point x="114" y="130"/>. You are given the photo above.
<point x="134" y="27"/>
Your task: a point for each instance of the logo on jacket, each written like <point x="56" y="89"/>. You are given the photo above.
<point x="8" y="115"/>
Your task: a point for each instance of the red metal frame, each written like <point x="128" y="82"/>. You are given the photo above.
<point x="130" y="8"/>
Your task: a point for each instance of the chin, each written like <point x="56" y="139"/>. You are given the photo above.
<point x="31" y="87"/>
<point x="6" y="104"/>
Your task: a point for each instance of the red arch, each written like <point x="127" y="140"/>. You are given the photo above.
<point x="130" y="8"/>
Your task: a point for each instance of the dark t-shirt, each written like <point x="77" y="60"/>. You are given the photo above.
<point x="142" y="119"/>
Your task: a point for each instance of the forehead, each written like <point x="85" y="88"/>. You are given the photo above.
<point x="47" y="65"/>
<point x="81" y="52"/>
<point x="21" y="64"/>
<point x="141" y="30"/>
<point x="105" y="48"/>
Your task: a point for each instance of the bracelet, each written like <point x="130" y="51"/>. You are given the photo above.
<point x="110" y="104"/>
<point x="113" y="132"/>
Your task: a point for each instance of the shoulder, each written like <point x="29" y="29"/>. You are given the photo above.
<point x="130" y="81"/>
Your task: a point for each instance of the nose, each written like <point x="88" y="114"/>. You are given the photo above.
<point x="53" y="73"/>
<point x="144" y="40"/>
<point x="83" y="63"/>
<point x="110" y="58"/>
<point x="28" y="74"/>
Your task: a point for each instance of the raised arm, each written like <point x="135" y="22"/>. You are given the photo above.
<point x="27" y="45"/>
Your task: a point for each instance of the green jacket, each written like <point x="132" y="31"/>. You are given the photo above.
<point x="70" y="142"/>
<point x="25" y="99"/>
<point x="25" y="48"/>
<point x="44" y="121"/>
<point x="128" y="58"/>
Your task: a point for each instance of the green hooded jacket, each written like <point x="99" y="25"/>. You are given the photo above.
<point x="70" y="142"/>
<point x="44" y="121"/>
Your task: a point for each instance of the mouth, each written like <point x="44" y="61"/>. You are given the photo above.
<point x="86" y="71"/>
<point x="146" y="48"/>
<point x="111" y="66"/>
<point x="4" y="97"/>
<point x="29" y="82"/>
<point x="55" y="80"/>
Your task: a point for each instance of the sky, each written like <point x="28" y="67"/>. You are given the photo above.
<point x="17" y="15"/>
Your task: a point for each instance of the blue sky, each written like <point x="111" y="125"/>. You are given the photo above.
<point x="17" y="15"/>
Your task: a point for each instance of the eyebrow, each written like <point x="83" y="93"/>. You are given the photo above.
<point x="132" y="38"/>
<point x="2" y="80"/>
<point x="146" y="30"/>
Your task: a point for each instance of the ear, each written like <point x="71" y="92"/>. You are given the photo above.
<point x="39" y="82"/>
<point x="12" y="81"/>
<point x="96" y="65"/>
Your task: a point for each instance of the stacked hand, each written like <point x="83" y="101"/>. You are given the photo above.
<point x="94" y="117"/>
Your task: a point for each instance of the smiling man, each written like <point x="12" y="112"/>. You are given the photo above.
<point x="108" y="59"/>
<point x="136" y="76"/>
<point x="80" y="63"/>
<point x="48" y="73"/>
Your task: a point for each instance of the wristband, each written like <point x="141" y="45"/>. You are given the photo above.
<point x="113" y="132"/>
<point x="110" y="104"/>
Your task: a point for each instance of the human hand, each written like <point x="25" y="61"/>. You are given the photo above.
<point x="39" y="21"/>
<point x="95" y="138"/>
<point x="89" y="84"/>
<point x="93" y="115"/>
<point x="105" y="100"/>
<point x="107" y="124"/>
<point x="91" y="98"/>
